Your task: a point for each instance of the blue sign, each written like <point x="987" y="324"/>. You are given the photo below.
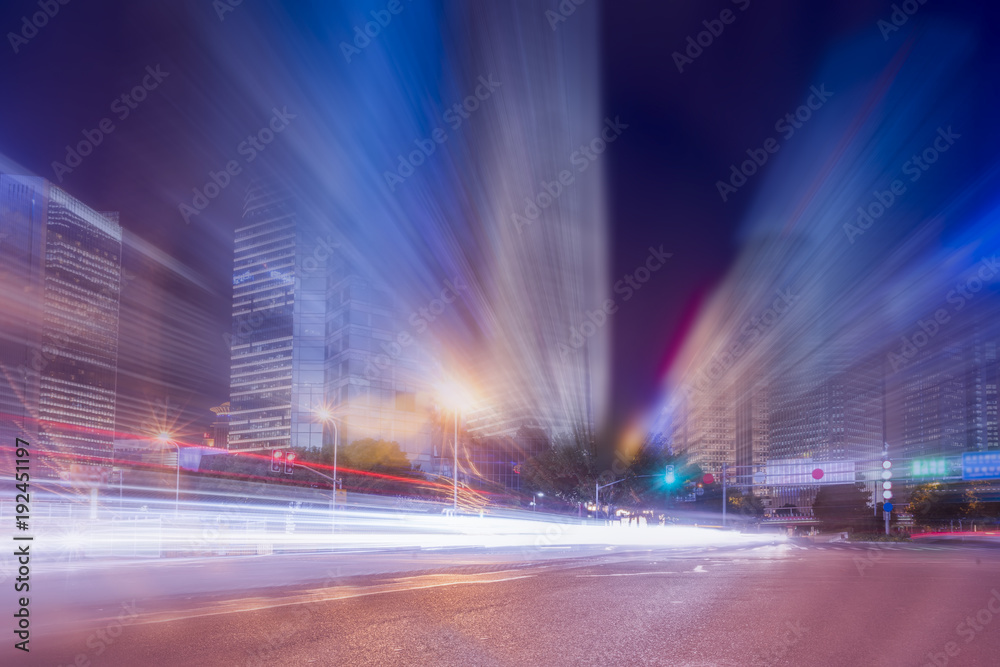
<point x="980" y="465"/>
<point x="887" y="507"/>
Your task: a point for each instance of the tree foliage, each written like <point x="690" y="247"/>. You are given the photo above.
<point x="566" y="469"/>
<point x="374" y="455"/>
<point x="571" y="466"/>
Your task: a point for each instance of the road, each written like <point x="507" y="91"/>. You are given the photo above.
<point x="788" y="604"/>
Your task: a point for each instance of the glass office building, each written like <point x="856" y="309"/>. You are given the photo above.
<point x="278" y="340"/>
<point x="310" y="331"/>
<point x="60" y="285"/>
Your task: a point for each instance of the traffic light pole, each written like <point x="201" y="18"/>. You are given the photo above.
<point x="725" y="500"/>
<point x="598" y="487"/>
<point x="333" y="497"/>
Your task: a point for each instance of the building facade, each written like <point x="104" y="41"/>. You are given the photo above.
<point x="311" y="333"/>
<point x="60" y="277"/>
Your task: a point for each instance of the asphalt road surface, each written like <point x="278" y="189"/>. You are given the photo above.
<point x="837" y="604"/>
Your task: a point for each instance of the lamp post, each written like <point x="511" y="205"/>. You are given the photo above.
<point x="165" y="439"/>
<point x="534" y="504"/>
<point x="326" y="418"/>
<point x="457" y="397"/>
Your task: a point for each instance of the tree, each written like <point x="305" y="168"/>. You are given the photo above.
<point x="567" y="469"/>
<point x="374" y="455"/>
<point x="748" y="506"/>
<point x="927" y="504"/>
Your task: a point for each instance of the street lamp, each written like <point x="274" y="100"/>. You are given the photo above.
<point x="165" y="439"/>
<point x="326" y="417"/>
<point x="458" y="398"/>
<point x="535" y="504"/>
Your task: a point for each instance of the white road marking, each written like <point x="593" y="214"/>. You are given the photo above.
<point x="625" y="574"/>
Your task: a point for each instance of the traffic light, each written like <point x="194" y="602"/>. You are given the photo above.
<point x="276" y="456"/>
<point x="887" y="480"/>
<point x="670" y="477"/>
<point x="289" y="462"/>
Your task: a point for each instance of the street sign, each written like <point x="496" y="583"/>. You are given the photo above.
<point x="817" y="474"/>
<point x="709" y="478"/>
<point x="980" y="465"/>
<point x="935" y="467"/>
<point x="887" y="507"/>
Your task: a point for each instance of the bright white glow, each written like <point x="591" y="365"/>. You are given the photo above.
<point x="456" y="396"/>
<point x="218" y="528"/>
<point x="886" y="464"/>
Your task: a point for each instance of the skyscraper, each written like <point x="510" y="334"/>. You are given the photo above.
<point x="277" y="345"/>
<point x="309" y="332"/>
<point x="377" y="371"/>
<point x="60" y="277"/>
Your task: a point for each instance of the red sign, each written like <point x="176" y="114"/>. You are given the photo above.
<point x="818" y="474"/>
<point x="708" y="478"/>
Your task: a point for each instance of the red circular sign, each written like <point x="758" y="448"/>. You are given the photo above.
<point x="818" y="473"/>
<point x="708" y="478"/>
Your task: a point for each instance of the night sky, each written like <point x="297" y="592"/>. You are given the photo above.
<point x="685" y="129"/>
